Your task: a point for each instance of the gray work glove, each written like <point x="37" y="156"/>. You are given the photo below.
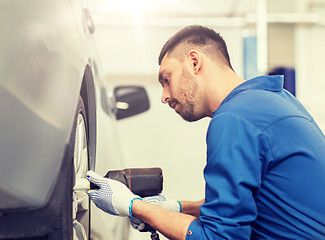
<point x="112" y="196"/>
<point x="160" y="201"/>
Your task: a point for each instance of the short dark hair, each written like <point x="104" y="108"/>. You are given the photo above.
<point x="199" y="36"/>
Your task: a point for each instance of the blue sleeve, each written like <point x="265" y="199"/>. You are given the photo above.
<point x="233" y="177"/>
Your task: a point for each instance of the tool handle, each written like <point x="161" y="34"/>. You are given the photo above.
<point x="144" y="182"/>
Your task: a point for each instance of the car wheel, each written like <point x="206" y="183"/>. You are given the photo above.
<point x="74" y="222"/>
<point x="81" y="201"/>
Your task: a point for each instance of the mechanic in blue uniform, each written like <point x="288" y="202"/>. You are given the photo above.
<point x="265" y="170"/>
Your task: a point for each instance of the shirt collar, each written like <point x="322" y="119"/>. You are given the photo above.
<point x="268" y="83"/>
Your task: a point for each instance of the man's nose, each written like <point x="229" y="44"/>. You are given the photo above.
<point x="165" y="95"/>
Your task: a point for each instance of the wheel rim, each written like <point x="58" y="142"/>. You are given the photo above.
<point x="80" y="204"/>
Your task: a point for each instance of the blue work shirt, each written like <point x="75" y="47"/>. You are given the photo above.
<point x="265" y="171"/>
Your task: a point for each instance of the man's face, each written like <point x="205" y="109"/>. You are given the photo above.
<point x="180" y="88"/>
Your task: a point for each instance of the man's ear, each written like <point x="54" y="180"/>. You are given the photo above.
<point x="195" y="60"/>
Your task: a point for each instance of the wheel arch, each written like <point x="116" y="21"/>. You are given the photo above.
<point x="88" y="95"/>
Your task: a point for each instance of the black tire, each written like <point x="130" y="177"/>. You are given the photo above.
<point x="64" y="229"/>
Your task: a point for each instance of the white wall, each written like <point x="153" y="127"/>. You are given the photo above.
<point x="310" y="66"/>
<point x="135" y="50"/>
<point x="309" y="62"/>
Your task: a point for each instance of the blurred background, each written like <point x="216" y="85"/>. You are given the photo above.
<point x="263" y="36"/>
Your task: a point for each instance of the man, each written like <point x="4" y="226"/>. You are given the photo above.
<point x="265" y="171"/>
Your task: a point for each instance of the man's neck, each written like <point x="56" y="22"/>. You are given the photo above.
<point x="219" y="85"/>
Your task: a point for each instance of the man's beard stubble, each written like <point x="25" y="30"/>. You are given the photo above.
<point x="188" y="96"/>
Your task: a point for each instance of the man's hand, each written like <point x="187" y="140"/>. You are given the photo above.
<point x="160" y="201"/>
<point x="112" y="196"/>
<point x="172" y="225"/>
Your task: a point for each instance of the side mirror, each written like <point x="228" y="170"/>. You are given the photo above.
<point x="130" y="101"/>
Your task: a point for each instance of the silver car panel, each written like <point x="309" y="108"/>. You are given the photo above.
<point x="43" y="54"/>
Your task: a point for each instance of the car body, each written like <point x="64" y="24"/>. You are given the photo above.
<point x="53" y="100"/>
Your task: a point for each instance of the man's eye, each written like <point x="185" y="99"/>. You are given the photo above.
<point x="166" y="80"/>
